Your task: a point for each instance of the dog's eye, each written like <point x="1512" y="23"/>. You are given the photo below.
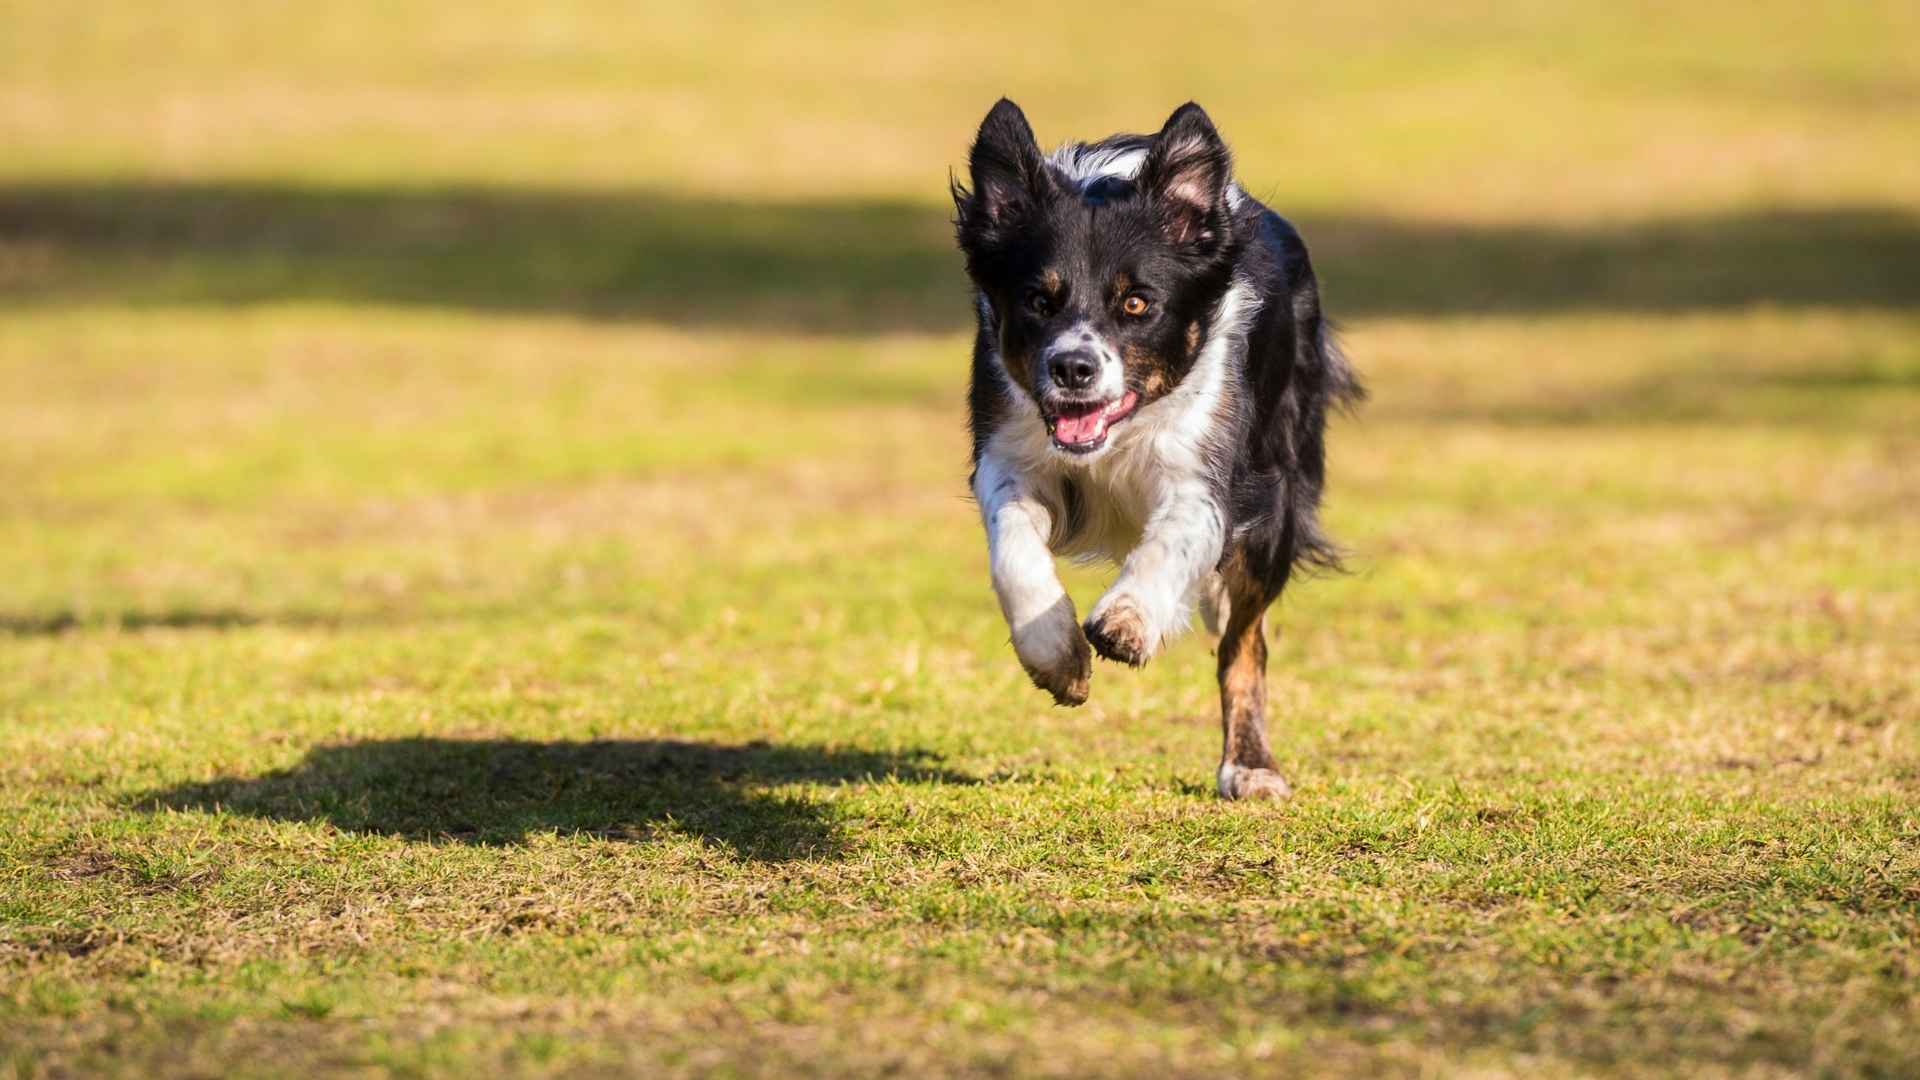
<point x="1135" y="305"/>
<point x="1040" y="303"/>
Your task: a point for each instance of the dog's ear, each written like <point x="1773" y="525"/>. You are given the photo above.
<point x="1186" y="175"/>
<point x="1009" y="176"/>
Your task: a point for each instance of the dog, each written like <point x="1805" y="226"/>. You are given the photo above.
<point x="1151" y="382"/>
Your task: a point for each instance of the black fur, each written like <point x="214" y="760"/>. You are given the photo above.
<point x="1175" y="220"/>
<point x="1293" y="376"/>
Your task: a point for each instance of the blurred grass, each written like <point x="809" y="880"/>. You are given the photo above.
<point x="837" y="266"/>
<point x="491" y="589"/>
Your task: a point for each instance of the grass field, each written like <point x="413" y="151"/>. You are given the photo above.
<point x="488" y="585"/>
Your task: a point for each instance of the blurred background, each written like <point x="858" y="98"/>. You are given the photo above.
<point x="301" y="301"/>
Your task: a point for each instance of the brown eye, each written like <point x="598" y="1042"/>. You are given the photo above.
<point x="1135" y="305"/>
<point x="1040" y="304"/>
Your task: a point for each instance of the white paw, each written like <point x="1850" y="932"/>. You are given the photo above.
<point x="1240" y="782"/>
<point x="1054" y="652"/>
<point x="1120" y="630"/>
<point x="1131" y="626"/>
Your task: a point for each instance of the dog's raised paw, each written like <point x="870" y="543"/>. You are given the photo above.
<point x="1119" y="633"/>
<point x="1068" y="676"/>
<point x="1054" y="653"/>
<point x="1070" y="690"/>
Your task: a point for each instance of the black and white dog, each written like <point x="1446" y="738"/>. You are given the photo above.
<point x="1151" y="383"/>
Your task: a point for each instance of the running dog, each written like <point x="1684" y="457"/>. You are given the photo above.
<point x="1151" y="382"/>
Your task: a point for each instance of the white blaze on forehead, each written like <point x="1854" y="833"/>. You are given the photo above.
<point x="1082" y="164"/>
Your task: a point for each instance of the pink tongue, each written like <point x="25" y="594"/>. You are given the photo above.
<point x="1081" y="429"/>
<point x="1090" y="427"/>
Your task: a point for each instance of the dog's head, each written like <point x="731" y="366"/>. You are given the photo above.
<point x="1100" y="281"/>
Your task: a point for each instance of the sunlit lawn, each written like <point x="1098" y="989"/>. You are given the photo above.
<point x="488" y="584"/>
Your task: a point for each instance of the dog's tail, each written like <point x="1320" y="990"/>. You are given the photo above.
<point x="1340" y="391"/>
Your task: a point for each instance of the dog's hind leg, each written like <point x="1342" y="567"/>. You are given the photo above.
<point x="1246" y="762"/>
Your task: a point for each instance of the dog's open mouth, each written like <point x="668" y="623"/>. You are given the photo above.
<point x="1081" y="428"/>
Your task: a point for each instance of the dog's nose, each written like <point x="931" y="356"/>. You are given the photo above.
<point x="1073" y="370"/>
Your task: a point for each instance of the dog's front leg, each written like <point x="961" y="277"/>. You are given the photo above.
<point x="1046" y="632"/>
<point x="1149" y="602"/>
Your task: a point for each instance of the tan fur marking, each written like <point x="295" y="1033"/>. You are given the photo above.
<point x="1243" y="691"/>
<point x="1155" y="381"/>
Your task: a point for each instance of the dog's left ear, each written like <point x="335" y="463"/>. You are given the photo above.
<point x="1186" y="175"/>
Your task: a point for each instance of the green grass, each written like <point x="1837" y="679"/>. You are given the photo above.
<point x="488" y="586"/>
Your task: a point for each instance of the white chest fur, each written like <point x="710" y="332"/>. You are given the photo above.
<point x="1157" y="455"/>
<point x="1146" y="499"/>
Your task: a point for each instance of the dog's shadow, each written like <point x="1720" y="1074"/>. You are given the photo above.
<point x="499" y="791"/>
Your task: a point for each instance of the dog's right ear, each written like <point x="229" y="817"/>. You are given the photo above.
<point x="1009" y="175"/>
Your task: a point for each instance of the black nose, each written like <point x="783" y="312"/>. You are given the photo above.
<point x="1073" y="370"/>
